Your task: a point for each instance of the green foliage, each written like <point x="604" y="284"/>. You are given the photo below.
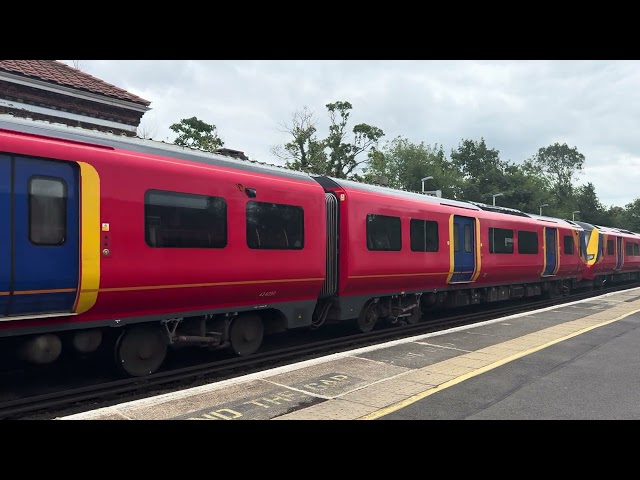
<point x="474" y="171"/>
<point x="195" y="133"/>
<point x="629" y="218"/>
<point x="304" y="152"/>
<point x="591" y="210"/>
<point x="336" y="155"/>
<point x="615" y="217"/>
<point x="525" y="190"/>
<point x="342" y="161"/>
<point x="402" y="164"/>
<point x="560" y="164"/>
<point x="482" y="171"/>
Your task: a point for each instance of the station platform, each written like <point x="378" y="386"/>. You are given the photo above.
<point x="578" y="360"/>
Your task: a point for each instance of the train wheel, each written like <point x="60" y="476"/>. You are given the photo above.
<point x="140" y="350"/>
<point x="245" y="334"/>
<point x="368" y="318"/>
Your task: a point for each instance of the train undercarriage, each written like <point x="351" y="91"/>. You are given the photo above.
<point x="141" y="349"/>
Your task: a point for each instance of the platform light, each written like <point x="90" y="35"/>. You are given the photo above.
<point x="424" y="180"/>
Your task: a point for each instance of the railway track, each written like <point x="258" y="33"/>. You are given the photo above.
<point x="101" y="392"/>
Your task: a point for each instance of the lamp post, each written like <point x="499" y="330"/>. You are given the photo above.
<point x="424" y="180"/>
<point x="494" y="197"/>
<point x="543" y="205"/>
<point x="574" y="214"/>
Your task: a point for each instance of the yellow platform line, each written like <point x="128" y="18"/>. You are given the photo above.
<point x="419" y="396"/>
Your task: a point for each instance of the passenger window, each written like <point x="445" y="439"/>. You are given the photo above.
<point x="274" y="226"/>
<point x="636" y="249"/>
<point x="467" y="238"/>
<point x="47" y="211"/>
<point x="628" y="248"/>
<point x="610" y="250"/>
<point x="184" y="220"/>
<point x="569" y="245"/>
<point x="424" y="235"/>
<point x="527" y="242"/>
<point x="456" y="241"/>
<point x="384" y="233"/>
<point x="500" y="240"/>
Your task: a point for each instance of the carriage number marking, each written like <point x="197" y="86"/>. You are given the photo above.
<point x="268" y="294"/>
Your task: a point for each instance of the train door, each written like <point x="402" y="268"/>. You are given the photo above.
<point x="5" y="232"/>
<point x="464" y="260"/>
<point x="619" y="253"/>
<point x="45" y="237"/>
<point x="551" y="249"/>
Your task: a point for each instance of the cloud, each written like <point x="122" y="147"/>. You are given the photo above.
<point x="516" y="106"/>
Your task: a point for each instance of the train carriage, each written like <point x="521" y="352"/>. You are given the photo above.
<point x="103" y="231"/>
<point x="631" y="256"/>
<point x="611" y="254"/>
<point x="402" y="252"/>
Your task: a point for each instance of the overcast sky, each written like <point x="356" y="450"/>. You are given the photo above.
<point x="516" y="106"/>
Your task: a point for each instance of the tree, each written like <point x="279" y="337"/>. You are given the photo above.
<point x="482" y="171"/>
<point x="560" y="164"/>
<point x="305" y="152"/>
<point x="147" y="130"/>
<point x="342" y="162"/>
<point x="591" y="210"/>
<point x="526" y="190"/>
<point x="630" y="218"/>
<point x="402" y="164"/>
<point x="195" y="133"/>
<point x="334" y="155"/>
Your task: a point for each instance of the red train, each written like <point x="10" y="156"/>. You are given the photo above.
<point x="169" y="246"/>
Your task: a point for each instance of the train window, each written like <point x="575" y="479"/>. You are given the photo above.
<point x="610" y="250"/>
<point x="383" y="233"/>
<point x="47" y="211"/>
<point x="424" y="235"/>
<point x="274" y="226"/>
<point x="500" y="240"/>
<point x="636" y="249"/>
<point x="456" y="242"/>
<point x="569" y="245"/>
<point x="184" y="220"/>
<point x="527" y="242"/>
<point x="629" y="248"/>
<point x="467" y="238"/>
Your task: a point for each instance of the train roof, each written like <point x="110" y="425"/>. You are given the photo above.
<point x="586" y="226"/>
<point x="499" y="209"/>
<point x="618" y="231"/>
<point x="622" y="230"/>
<point x="331" y="182"/>
<point x="590" y="226"/>
<point x="560" y="221"/>
<point x="141" y="145"/>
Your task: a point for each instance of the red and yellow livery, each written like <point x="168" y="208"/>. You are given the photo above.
<point x="168" y="246"/>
